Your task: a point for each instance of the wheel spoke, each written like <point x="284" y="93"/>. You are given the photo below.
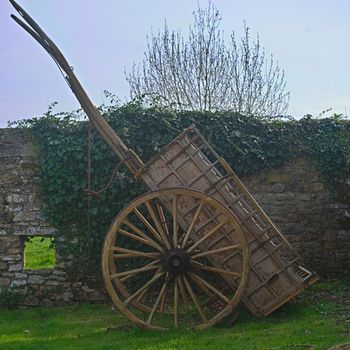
<point x="144" y="236"/>
<point x="158" y="224"/>
<point x="205" y="237"/>
<point x="215" y="251"/>
<point x="163" y="301"/>
<point x="205" y="289"/>
<point x="156" y="304"/>
<point x="127" y="274"/>
<point x="163" y="220"/>
<point x="183" y="292"/>
<point x="155" y="277"/>
<point x="148" y="225"/>
<point x="123" y="256"/>
<point x="194" y="298"/>
<point x="139" y="298"/>
<point x="134" y="271"/>
<point x="190" y="228"/>
<point x="136" y="238"/>
<point x="196" y="278"/>
<point x="200" y="266"/>
<point x="134" y="253"/>
<point x="176" y="302"/>
<point x="175" y="226"/>
<point x="150" y="264"/>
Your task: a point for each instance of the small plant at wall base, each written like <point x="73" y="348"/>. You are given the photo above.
<point x="11" y="297"/>
<point x="248" y="143"/>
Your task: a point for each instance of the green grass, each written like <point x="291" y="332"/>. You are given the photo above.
<point x="38" y="254"/>
<point x="317" y="321"/>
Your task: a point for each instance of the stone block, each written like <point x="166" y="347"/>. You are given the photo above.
<point x="287" y="196"/>
<point x="15" y="267"/>
<point x="6" y="217"/>
<point x="4" y="282"/>
<point x="36" y="279"/>
<point x="58" y="272"/>
<point x="276" y="188"/>
<point x="294" y="228"/>
<point x="14" y="208"/>
<point x="15" y="251"/>
<point x="273" y="178"/>
<point x="41" y="272"/>
<point x="86" y="289"/>
<point x="57" y="278"/>
<point x="4" y="246"/>
<point x="25" y="216"/>
<point x="15" y="198"/>
<point x="65" y="285"/>
<point x="12" y="258"/>
<point x="31" y="301"/>
<point x="342" y="254"/>
<point x="51" y="283"/>
<point x="10" y="275"/>
<point x="297" y="186"/>
<point x="97" y="297"/>
<point x="329" y="236"/>
<point x="344" y="236"/>
<point x="47" y="303"/>
<point x="19" y="283"/>
<point x="273" y="209"/>
<point x="67" y="296"/>
<point x="303" y="197"/>
<point x="39" y="230"/>
<point x="317" y="187"/>
<point x="3" y="232"/>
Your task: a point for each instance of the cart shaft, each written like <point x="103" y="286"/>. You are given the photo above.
<point x="130" y="158"/>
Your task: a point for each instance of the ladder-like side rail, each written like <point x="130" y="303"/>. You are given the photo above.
<point x="131" y="159"/>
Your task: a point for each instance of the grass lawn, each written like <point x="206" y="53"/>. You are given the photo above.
<point x="317" y="321"/>
<point x="38" y="254"/>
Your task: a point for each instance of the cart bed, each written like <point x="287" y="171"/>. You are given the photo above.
<point x="277" y="273"/>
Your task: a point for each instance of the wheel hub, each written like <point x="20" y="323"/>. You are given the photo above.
<point x="176" y="261"/>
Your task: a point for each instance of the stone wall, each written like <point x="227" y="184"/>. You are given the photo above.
<point x="315" y="222"/>
<point x="20" y="218"/>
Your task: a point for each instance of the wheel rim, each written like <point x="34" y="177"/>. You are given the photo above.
<point x="175" y="257"/>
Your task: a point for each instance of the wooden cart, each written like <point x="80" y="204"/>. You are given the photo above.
<point x="190" y="250"/>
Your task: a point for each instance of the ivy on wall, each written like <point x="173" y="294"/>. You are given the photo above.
<point x="249" y="144"/>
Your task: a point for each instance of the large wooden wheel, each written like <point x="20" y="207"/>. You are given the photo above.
<point x="175" y="257"/>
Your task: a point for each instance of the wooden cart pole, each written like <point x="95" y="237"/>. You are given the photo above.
<point x="131" y="160"/>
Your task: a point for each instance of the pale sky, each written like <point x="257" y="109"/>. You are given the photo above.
<point x="101" y="39"/>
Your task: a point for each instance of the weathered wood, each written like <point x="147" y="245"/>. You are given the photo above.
<point x="176" y="303"/>
<point x="195" y="300"/>
<point x="190" y="228"/>
<point x="171" y="204"/>
<point x="277" y="271"/>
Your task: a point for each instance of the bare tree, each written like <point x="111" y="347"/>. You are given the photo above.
<point x="203" y="73"/>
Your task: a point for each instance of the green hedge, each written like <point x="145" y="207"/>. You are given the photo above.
<point x="248" y="144"/>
